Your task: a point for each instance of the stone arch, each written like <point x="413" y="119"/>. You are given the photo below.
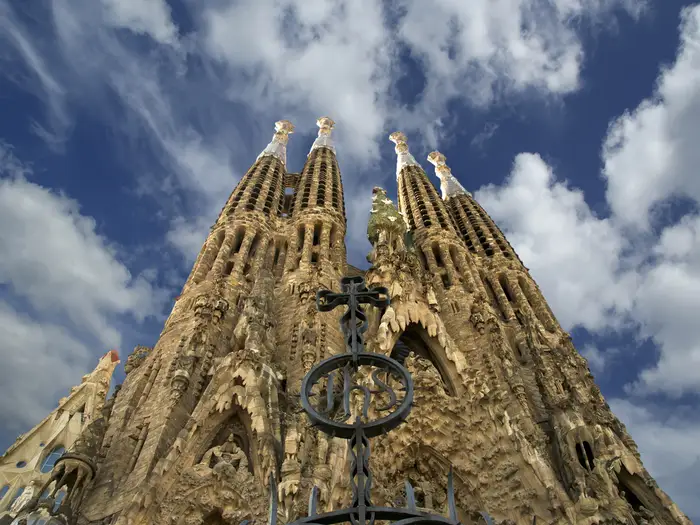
<point x="253" y="393"/>
<point x="423" y="346"/>
<point x="236" y="426"/>
<point x="636" y="492"/>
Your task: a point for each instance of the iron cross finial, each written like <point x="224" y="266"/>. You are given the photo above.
<point x="354" y="293"/>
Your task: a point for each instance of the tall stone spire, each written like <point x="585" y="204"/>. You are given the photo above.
<point x="449" y="185"/>
<point x="404" y="157"/>
<point x="278" y="146"/>
<point x="324" y="140"/>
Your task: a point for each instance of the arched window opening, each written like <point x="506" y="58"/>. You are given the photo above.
<point x="4" y="491"/>
<point x="584" y="453"/>
<point x="518" y="352"/>
<point x="51" y="458"/>
<point x="59" y="499"/>
<point x="301" y="230"/>
<point x="214" y="518"/>
<point x="314" y="257"/>
<point x="255" y="243"/>
<point x="589" y="454"/>
<point x="423" y="259"/>
<point x="437" y="255"/>
<point x="454" y="256"/>
<point x="412" y="340"/>
<point x="228" y="268"/>
<point x="446" y="282"/>
<point x="506" y="288"/>
<point x="334" y="232"/>
<point x="491" y="293"/>
<point x="317" y="234"/>
<point x="625" y="484"/>
<point x="238" y="240"/>
<point x="276" y="257"/>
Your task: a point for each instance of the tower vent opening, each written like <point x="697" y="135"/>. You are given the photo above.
<point x="317" y="234"/>
<point x="503" y="281"/>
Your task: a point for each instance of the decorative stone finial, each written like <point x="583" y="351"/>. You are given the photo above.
<point x="449" y="185"/>
<point x="278" y="147"/>
<point x="325" y="125"/>
<point x="404" y="156"/>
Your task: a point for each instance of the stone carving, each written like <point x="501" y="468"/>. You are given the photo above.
<point x="522" y="424"/>
<point x="226" y="456"/>
<point x="136" y="358"/>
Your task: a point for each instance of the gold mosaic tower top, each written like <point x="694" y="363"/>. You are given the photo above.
<point x="207" y="415"/>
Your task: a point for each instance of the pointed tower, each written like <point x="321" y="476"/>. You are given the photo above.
<point x="433" y="229"/>
<point x="502" y="395"/>
<point x="165" y="385"/>
<point x="203" y="418"/>
<point x="26" y="466"/>
<point x="316" y="257"/>
<point x="318" y="212"/>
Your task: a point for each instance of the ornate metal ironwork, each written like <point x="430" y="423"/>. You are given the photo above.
<point x="357" y="396"/>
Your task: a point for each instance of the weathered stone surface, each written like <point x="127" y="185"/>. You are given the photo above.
<point x="207" y="415"/>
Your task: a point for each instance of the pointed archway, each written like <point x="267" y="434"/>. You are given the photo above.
<point x="416" y="340"/>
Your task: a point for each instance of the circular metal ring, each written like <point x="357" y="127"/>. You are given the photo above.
<point x="370" y="428"/>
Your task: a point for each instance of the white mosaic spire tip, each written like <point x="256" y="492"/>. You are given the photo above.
<point x="449" y="185"/>
<point x="325" y="127"/>
<point x="278" y="146"/>
<point x="404" y="157"/>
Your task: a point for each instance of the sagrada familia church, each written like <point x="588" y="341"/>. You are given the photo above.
<point x="212" y="425"/>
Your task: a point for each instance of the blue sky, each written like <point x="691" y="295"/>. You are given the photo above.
<point x="126" y="124"/>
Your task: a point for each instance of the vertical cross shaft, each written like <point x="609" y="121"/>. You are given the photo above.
<point x="354" y="294"/>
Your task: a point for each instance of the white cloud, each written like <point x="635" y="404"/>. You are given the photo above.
<point x="295" y="59"/>
<point x="594" y="278"/>
<point x="668" y="443"/>
<point x="151" y="17"/>
<point x="53" y="257"/>
<point x="573" y="255"/>
<point x="651" y="152"/>
<point x="314" y="58"/>
<point x="69" y="278"/>
<point x="40" y="362"/>
<point x="600" y="361"/>
<point x="41" y="82"/>
<point x="666" y="306"/>
<point x="483" y="50"/>
<point x="341" y="58"/>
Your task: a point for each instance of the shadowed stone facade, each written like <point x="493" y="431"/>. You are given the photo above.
<point x="501" y="394"/>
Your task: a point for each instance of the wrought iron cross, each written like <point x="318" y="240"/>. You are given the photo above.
<point x="353" y="324"/>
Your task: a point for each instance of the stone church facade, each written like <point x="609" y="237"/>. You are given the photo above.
<point x="209" y="414"/>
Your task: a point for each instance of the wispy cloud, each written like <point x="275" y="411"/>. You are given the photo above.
<point x="486" y="134"/>
<point x="200" y="99"/>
